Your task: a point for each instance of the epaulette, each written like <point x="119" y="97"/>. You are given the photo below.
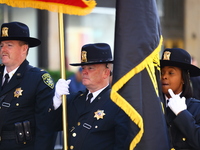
<point x="46" y="77"/>
<point x="195" y="100"/>
<point x="36" y="69"/>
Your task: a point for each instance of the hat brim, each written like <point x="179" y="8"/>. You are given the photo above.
<point x="193" y="70"/>
<point x="31" y="41"/>
<point x="90" y="63"/>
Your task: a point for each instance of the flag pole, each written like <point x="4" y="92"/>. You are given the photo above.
<point x="63" y="76"/>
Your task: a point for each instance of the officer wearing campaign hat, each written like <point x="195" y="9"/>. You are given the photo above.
<point x="25" y="95"/>
<point x="182" y="110"/>
<point x="95" y="122"/>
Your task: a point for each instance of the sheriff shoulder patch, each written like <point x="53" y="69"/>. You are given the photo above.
<point x="48" y="80"/>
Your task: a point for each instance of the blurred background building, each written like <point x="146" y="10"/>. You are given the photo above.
<point x="98" y="26"/>
<point x="180" y="21"/>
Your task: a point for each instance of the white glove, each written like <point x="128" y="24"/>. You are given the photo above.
<point x="62" y="88"/>
<point x="176" y="103"/>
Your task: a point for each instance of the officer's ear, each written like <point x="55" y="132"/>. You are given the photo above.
<point x="109" y="68"/>
<point x="110" y="73"/>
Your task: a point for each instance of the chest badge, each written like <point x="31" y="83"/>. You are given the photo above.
<point x="99" y="114"/>
<point x="18" y="92"/>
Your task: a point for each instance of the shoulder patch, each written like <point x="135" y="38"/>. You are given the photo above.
<point x="48" y="80"/>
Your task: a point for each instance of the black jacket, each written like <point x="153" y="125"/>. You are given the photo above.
<point x="185" y="127"/>
<point x="88" y="132"/>
<point x="30" y="91"/>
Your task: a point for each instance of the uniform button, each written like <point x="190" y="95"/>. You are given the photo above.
<point x="71" y="147"/>
<point x="0" y="107"/>
<point x="49" y="110"/>
<point x="17" y="104"/>
<point x="78" y="123"/>
<point x="74" y="134"/>
<point x="96" y="127"/>
<point x="184" y="139"/>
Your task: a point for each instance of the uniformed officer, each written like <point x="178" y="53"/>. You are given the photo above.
<point x="183" y="111"/>
<point x="95" y="122"/>
<point x="27" y="96"/>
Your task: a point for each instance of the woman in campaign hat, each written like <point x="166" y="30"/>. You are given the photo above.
<point x="182" y="110"/>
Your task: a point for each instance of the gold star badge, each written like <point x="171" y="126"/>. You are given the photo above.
<point x="18" y="92"/>
<point x="99" y="114"/>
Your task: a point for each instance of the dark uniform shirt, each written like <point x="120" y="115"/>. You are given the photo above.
<point x="30" y="92"/>
<point x="185" y="127"/>
<point x="100" y="126"/>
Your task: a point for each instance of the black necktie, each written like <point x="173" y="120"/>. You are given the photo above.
<point x="167" y="101"/>
<point x="88" y="99"/>
<point x="5" y="81"/>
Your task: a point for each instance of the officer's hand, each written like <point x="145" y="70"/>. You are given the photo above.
<point x="176" y="103"/>
<point x="62" y="88"/>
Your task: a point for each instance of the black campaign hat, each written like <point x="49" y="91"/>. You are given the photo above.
<point x="179" y="58"/>
<point x="95" y="54"/>
<point x="17" y="31"/>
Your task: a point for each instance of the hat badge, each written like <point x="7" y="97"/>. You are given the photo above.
<point x="166" y="55"/>
<point x="83" y="56"/>
<point x="4" y="32"/>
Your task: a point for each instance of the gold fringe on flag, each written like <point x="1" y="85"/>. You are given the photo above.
<point x="54" y="7"/>
<point x="148" y="63"/>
